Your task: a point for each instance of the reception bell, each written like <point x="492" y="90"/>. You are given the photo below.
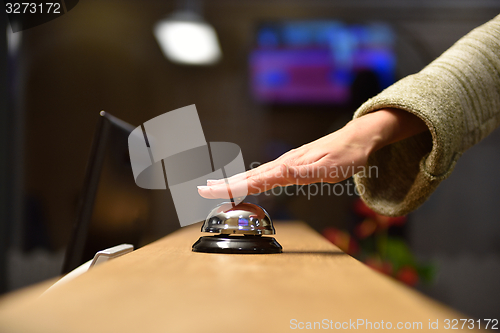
<point x="240" y="229"/>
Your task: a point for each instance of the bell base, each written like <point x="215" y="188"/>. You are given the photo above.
<point x="237" y="244"/>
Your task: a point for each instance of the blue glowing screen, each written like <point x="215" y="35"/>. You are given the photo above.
<point x="318" y="61"/>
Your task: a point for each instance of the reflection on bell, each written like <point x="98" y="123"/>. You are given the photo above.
<point x="240" y="227"/>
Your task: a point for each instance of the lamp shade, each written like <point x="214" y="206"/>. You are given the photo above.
<point x="185" y="38"/>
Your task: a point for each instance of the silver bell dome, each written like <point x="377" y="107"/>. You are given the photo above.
<point x="243" y="218"/>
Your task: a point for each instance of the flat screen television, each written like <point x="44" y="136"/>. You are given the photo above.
<point x="319" y="62"/>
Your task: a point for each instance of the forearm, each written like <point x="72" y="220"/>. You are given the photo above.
<point x="383" y="127"/>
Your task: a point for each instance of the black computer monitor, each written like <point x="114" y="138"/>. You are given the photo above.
<point x="113" y="210"/>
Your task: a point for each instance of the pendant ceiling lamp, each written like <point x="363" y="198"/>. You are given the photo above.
<point x="186" y="38"/>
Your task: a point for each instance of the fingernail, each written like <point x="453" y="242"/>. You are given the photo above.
<point x="212" y="181"/>
<point x="203" y="187"/>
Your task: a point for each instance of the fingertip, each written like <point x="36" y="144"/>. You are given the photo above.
<point x="205" y="192"/>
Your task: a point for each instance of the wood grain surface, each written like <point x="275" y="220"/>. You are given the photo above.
<point x="165" y="287"/>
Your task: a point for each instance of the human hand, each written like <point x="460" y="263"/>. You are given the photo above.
<point x="331" y="159"/>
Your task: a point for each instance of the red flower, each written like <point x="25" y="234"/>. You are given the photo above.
<point x="383" y="221"/>
<point x="362" y="209"/>
<point x="408" y="275"/>
<point x="341" y="239"/>
<point x="365" y="228"/>
<point x="384" y="267"/>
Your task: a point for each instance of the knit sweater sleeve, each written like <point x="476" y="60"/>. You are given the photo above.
<point x="458" y="98"/>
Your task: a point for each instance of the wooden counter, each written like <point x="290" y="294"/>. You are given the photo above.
<point x="165" y="287"/>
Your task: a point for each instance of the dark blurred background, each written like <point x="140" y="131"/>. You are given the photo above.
<point x="103" y="55"/>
